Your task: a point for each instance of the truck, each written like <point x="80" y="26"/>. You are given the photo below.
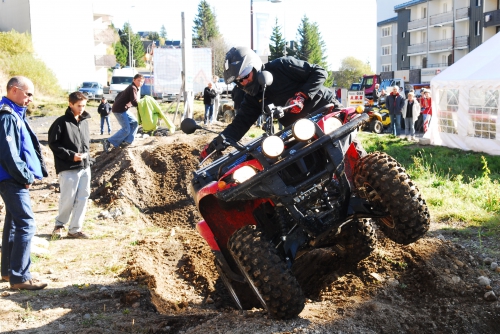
<point x="120" y="79"/>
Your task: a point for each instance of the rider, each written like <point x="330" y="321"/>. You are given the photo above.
<point x="294" y="82"/>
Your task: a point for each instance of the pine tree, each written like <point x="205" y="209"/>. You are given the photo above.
<point x="136" y="43"/>
<point x="311" y="46"/>
<point x="278" y="44"/>
<point x="121" y="53"/>
<point x="205" y="25"/>
<point x="163" y="32"/>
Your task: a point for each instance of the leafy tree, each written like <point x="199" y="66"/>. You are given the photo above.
<point x="205" y="25"/>
<point x="121" y="53"/>
<point x="136" y="45"/>
<point x="163" y="32"/>
<point x="153" y="36"/>
<point x="278" y="43"/>
<point x="351" y="70"/>
<point x="219" y="49"/>
<point x="311" y="46"/>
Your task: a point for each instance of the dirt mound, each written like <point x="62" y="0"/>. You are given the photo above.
<point x="427" y="287"/>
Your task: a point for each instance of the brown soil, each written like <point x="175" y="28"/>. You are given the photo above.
<point x="147" y="270"/>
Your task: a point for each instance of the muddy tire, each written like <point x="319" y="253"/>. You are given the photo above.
<point x="356" y="241"/>
<point x="376" y="126"/>
<point x="385" y="184"/>
<point x="241" y="293"/>
<point x="228" y="116"/>
<point x="266" y="273"/>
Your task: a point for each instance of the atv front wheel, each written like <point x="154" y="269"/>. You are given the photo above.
<point x="240" y="293"/>
<point x="385" y="184"/>
<point x="356" y="241"/>
<point x="266" y="273"/>
<point x="376" y="126"/>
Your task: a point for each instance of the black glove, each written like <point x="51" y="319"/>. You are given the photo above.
<point x="207" y="149"/>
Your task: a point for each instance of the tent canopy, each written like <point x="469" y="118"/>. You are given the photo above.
<point x="465" y="101"/>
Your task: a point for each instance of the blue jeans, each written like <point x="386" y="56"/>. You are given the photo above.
<point x="129" y="127"/>
<point x="18" y="230"/>
<point x="409" y="126"/>
<point x="105" y="118"/>
<point x="209" y="110"/>
<point x="395" y="127"/>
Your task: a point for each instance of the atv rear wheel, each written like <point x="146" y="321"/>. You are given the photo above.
<point x="266" y="273"/>
<point x="241" y="293"/>
<point x="228" y="116"/>
<point x="356" y="241"/>
<point x="376" y="126"/>
<point x="385" y="184"/>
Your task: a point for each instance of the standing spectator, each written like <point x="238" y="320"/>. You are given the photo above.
<point x="209" y="95"/>
<point x="426" y="104"/>
<point x="69" y="140"/>
<point x="376" y="94"/>
<point x="21" y="162"/>
<point x="394" y="103"/>
<point x="218" y="90"/>
<point x="121" y="109"/>
<point x="104" y="110"/>
<point x="411" y="110"/>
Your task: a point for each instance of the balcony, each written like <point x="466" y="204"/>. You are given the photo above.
<point x="492" y="18"/>
<point x="415" y="24"/>
<point x="441" y="18"/>
<point x="461" y="41"/>
<point x="443" y="44"/>
<point x="438" y="65"/>
<point x="462" y="13"/>
<point x="417" y="48"/>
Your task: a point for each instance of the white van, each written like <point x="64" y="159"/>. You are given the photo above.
<point x="121" y="79"/>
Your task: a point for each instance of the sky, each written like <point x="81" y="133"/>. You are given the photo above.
<point x="348" y="28"/>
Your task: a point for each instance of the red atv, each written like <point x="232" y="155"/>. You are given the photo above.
<point x="308" y="186"/>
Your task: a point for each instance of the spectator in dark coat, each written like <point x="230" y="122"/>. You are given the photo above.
<point x="104" y="110"/>
<point x="209" y="95"/>
<point x="395" y="103"/>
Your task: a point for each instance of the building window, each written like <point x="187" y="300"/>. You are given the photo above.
<point x="445" y="7"/>
<point x="386" y="50"/>
<point x="403" y="57"/>
<point x="444" y="60"/>
<point x="386" y="68"/>
<point x="477" y="30"/>
<point x="424" y="37"/>
<point x="424" y="12"/>
<point x="386" y="31"/>
<point x="444" y="34"/>
<point x="403" y="34"/>
<point x="478" y="3"/>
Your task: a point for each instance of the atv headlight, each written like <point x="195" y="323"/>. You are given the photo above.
<point x="303" y="129"/>
<point x="273" y="146"/>
<point x="332" y="124"/>
<point x="243" y="174"/>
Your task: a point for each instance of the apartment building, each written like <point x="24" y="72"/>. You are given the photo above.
<point x="73" y="43"/>
<point x="433" y="34"/>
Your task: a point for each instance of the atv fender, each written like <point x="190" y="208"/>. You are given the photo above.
<point x="207" y="234"/>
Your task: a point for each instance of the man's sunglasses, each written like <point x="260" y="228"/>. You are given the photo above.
<point x="240" y="80"/>
<point x="27" y="94"/>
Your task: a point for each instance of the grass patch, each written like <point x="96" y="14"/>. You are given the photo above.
<point x="458" y="186"/>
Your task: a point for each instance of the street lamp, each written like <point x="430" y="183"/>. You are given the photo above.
<point x="129" y="46"/>
<point x="251" y="19"/>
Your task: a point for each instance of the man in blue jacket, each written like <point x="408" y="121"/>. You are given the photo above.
<point x="21" y="162"/>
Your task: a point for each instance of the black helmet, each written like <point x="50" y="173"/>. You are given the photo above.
<point x="240" y="61"/>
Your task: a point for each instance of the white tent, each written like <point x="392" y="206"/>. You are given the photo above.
<point x="465" y="101"/>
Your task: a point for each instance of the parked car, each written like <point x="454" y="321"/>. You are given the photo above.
<point x="93" y="90"/>
<point x="223" y="88"/>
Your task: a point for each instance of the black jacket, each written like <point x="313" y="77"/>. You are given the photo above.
<point x="104" y="109"/>
<point x="67" y="137"/>
<point x="237" y="95"/>
<point x="290" y="75"/>
<point x="209" y="96"/>
<point x="126" y="99"/>
<point x="394" y="104"/>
